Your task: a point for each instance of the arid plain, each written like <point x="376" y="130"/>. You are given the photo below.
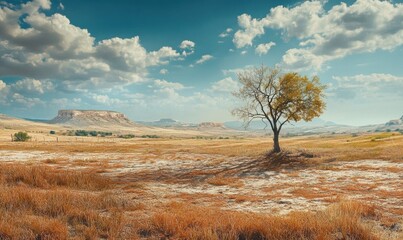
<point x="321" y="187"/>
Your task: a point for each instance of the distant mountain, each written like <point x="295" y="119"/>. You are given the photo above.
<point x="395" y="122"/>
<point x="258" y="125"/>
<point x="168" y="123"/>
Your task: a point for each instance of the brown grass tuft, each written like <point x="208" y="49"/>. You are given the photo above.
<point x="40" y="202"/>
<point x="47" y="177"/>
<point x="342" y="221"/>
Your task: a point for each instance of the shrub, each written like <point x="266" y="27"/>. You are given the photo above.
<point x="127" y="136"/>
<point x="150" y="136"/>
<point x="52" y="132"/>
<point x="81" y="133"/>
<point x="91" y="133"/>
<point x="21" y="137"/>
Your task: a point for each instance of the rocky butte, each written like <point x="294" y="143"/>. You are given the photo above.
<point x="85" y="118"/>
<point x="395" y="122"/>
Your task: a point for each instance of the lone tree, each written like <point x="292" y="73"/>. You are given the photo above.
<point x="278" y="98"/>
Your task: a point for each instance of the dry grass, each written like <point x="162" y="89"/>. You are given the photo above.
<point x="44" y="202"/>
<point x="47" y="177"/>
<point x="341" y="221"/>
<point x="225" y="181"/>
<point x="39" y="202"/>
<point x="325" y="148"/>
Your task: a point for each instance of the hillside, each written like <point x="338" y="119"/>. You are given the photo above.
<point x="168" y="123"/>
<point x="8" y="122"/>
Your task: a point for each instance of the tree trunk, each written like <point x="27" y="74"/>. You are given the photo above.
<point x="276" y="144"/>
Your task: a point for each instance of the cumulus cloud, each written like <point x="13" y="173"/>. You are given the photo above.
<point x="225" y="33"/>
<point x="29" y="85"/>
<point x="187" y="44"/>
<point x="105" y="99"/>
<point x="188" y="47"/>
<point x="235" y="71"/>
<point x="41" y="46"/>
<point x="325" y="35"/>
<point x="264" y="48"/>
<point x="225" y="85"/>
<point x="2" y="85"/>
<point x="366" y="85"/>
<point x="370" y="79"/>
<point x="204" y="58"/>
<point x="165" y="84"/>
<point x="164" y="71"/>
<point x="25" y="101"/>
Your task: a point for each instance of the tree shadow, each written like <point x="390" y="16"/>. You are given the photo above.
<point x="244" y="167"/>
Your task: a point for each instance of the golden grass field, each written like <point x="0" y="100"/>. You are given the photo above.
<point x="321" y="187"/>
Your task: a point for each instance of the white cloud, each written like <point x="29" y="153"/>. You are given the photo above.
<point x="105" y="99"/>
<point x="53" y="48"/>
<point x="251" y="29"/>
<point x="66" y="102"/>
<point x="225" y="85"/>
<point x="2" y="85"/>
<point x="61" y="6"/>
<point x="164" y="71"/>
<point x="244" y="52"/>
<point x="29" y="85"/>
<point x="165" y="84"/>
<point x="160" y="57"/>
<point x="225" y="33"/>
<point x="364" y="26"/>
<point x="366" y="85"/>
<point x="371" y="78"/>
<point x="204" y="58"/>
<point x="264" y="48"/>
<point x="187" y="44"/>
<point x="51" y="34"/>
<point x="235" y="71"/>
<point x="25" y="101"/>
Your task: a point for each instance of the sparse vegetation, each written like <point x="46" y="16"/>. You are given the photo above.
<point x="21" y="137"/>
<point x="150" y="136"/>
<point x="85" y="133"/>
<point x="99" y="190"/>
<point x="344" y="220"/>
<point x="127" y="136"/>
<point x="38" y="202"/>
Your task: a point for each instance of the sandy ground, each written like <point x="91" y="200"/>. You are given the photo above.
<point x="238" y="183"/>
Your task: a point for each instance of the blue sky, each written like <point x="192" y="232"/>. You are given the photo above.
<point x="178" y="59"/>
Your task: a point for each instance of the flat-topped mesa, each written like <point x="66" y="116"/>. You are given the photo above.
<point x="90" y="117"/>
